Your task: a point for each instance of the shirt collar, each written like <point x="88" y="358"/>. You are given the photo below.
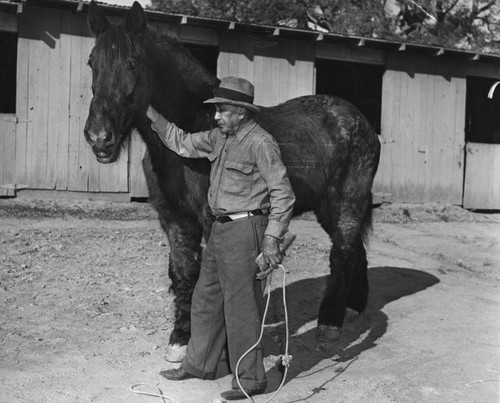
<point x="245" y="129"/>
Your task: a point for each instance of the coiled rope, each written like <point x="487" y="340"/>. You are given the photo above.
<point x="285" y="358"/>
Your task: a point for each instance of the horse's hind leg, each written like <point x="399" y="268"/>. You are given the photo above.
<point x="347" y="286"/>
<point x="357" y="297"/>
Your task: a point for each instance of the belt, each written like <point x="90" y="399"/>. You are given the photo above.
<point x="236" y="216"/>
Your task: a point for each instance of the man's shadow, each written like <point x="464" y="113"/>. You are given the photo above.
<point x="387" y="284"/>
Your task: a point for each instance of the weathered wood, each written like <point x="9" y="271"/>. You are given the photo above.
<point x="62" y="105"/>
<point x="423" y="118"/>
<point x="77" y="179"/>
<point x="56" y="115"/>
<point x="23" y="62"/>
<point x="38" y="101"/>
<point x="71" y="195"/>
<point x="279" y="69"/>
<point x="7" y="154"/>
<point x="482" y="176"/>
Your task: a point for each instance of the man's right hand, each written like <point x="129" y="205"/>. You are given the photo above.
<point x="152" y="114"/>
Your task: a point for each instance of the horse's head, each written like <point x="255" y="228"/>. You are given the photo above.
<point x="120" y="84"/>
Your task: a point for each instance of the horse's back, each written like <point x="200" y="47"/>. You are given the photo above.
<point x="320" y="138"/>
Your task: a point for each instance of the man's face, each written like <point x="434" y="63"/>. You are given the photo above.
<point x="228" y="118"/>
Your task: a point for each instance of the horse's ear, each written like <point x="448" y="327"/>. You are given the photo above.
<point x="96" y="19"/>
<point x="135" y="21"/>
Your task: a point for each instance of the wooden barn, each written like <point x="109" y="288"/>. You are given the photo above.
<point x="440" y="133"/>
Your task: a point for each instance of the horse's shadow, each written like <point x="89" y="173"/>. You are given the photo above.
<point x="387" y="284"/>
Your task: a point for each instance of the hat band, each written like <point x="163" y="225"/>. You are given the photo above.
<point x="233" y="95"/>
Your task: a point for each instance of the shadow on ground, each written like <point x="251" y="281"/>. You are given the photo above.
<point x="387" y="284"/>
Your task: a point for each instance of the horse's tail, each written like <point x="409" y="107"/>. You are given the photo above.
<point x="367" y="226"/>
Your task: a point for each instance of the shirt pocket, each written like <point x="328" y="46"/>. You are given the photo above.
<point x="237" y="178"/>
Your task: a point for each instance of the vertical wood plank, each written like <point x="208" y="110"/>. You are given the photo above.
<point x="482" y="176"/>
<point x="38" y="100"/>
<point x="56" y="113"/>
<point x="23" y="59"/>
<point x="77" y="169"/>
<point x="62" y="105"/>
<point x="419" y="114"/>
<point x="7" y="154"/>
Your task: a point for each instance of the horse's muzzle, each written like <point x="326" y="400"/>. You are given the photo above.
<point x="102" y="142"/>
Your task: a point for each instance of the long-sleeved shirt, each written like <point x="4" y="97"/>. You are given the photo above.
<point x="247" y="172"/>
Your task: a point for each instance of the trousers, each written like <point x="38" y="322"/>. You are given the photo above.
<point x="227" y="304"/>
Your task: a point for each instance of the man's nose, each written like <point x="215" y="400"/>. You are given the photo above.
<point x="217" y="115"/>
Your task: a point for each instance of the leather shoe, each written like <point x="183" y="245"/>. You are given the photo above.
<point x="176" y="374"/>
<point x="237" y="394"/>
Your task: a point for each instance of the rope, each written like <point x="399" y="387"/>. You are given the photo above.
<point x="160" y="394"/>
<point x="285" y="358"/>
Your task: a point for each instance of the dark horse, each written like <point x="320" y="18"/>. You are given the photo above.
<point x="330" y="150"/>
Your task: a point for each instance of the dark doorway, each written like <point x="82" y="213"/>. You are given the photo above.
<point x="360" y="84"/>
<point x="482" y="114"/>
<point x="8" y="68"/>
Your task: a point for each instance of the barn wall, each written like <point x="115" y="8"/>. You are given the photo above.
<point x="280" y="69"/>
<point x="42" y="146"/>
<point x="7" y="152"/>
<point x="53" y="96"/>
<point x="423" y="121"/>
<point x="8" y="23"/>
<point x="482" y="176"/>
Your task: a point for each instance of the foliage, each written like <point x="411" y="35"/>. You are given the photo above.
<point x="472" y="25"/>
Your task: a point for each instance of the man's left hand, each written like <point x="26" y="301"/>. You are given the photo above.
<point x="270" y="251"/>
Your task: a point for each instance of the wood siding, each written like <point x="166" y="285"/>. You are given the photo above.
<point x="482" y="176"/>
<point x="7" y="153"/>
<point x="280" y="69"/>
<point x="53" y="96"/>
<point x="423" y="110"/>
<point x="423" y="120"/>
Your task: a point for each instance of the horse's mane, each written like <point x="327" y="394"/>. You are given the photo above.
<point x="116" y="42"/>
<point x="179" y="61"/>
<point x="167" y="54"/>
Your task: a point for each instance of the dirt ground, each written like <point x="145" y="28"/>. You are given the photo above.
<point x="85" y="311"/>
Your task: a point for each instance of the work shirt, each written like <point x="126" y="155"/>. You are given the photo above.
<point x="246" y="170"/>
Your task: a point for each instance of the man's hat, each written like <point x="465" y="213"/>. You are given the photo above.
<point x="234" y="91"/>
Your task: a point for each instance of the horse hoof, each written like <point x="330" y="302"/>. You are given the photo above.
<point x="175" y="353"/>
<point x="327" y="333"/>
<point x="350" y="314"/>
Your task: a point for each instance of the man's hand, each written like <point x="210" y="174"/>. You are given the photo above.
<point x="270" y="251"/>
<point x="152" y="114"/>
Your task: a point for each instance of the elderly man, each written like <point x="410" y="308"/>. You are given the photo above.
<point x="252" y="200"/>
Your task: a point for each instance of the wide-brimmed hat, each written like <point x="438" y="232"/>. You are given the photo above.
<point x="234" y="91"/>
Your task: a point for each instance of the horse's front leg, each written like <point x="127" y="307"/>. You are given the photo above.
<point x="184" y="238"/>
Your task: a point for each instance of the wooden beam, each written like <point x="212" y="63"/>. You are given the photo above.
<point x="276" y="32"/>
<point x="476" y="57"/>
<point x="361" y="42"/>
<point x="439" y="52"/>
<point x="79" y="9"/>
<point x="320" y="36"/>
<point x="231" y="26"/>
<point x="402" y="47"/>
<point x="20" y="7"/>
<point x="184" y="20"/>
